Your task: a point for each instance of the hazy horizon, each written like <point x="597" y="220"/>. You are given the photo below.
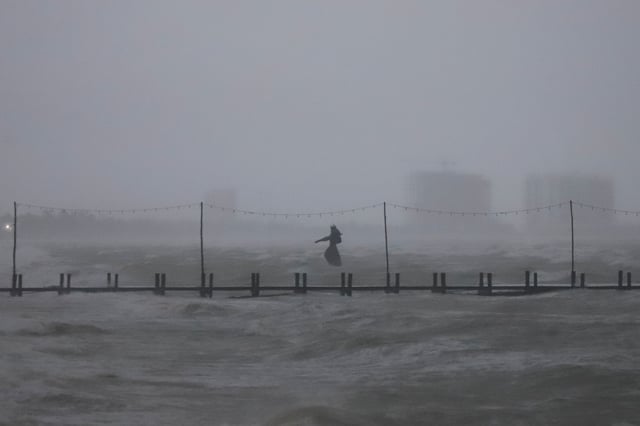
<point x="311" y="105"/>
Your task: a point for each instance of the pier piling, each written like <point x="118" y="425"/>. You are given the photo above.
<point x="255" y="284"/>
<point x="490" y="283"/>
<point x="620" y="279"/>
<point x="481" y="290"/>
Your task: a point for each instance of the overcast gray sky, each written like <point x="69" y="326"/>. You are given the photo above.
<point x="311" y="104"/>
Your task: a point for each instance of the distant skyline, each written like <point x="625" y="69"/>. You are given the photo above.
<point x="311" y="105"/>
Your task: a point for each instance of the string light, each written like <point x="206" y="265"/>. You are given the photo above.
<point x="286" y="215"/>
<point x="607" y="209"/>
<point x="477" y="213"/>
<point x="296" y="214"/>
<point x="66" y="210"/>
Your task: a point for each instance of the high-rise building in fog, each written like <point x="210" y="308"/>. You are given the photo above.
<point x="544" y="190"/>
<point x="448" y="191"/>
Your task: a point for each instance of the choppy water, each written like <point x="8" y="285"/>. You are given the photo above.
<point x="570" y="358"/>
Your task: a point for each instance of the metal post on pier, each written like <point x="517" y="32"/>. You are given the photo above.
<point x="15" y="235"/>
<point x="386" y="246"/>
<point x="202" y="274"/>
<point x="573" y="248"/>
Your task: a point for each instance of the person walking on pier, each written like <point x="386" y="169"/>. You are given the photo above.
<point x="331" y="254"/>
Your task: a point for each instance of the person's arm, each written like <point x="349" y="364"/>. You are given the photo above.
<point x="323" y="239"/>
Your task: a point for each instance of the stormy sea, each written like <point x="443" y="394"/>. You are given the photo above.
<point x="560" y="358"/>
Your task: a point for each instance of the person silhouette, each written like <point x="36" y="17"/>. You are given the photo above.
<point x="331" y="254"/>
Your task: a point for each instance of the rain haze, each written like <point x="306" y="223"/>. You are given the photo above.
<point x="311" y="105"/>
<point x="176" y="167"/>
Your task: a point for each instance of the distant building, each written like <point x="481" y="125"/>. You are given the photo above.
<point x="448" y="191"/>
<point x="545" y="190"/>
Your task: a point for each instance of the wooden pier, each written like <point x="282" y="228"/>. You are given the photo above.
<point x="345" y="286"/>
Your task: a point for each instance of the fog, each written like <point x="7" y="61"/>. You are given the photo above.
<point x="311" y="105"/>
